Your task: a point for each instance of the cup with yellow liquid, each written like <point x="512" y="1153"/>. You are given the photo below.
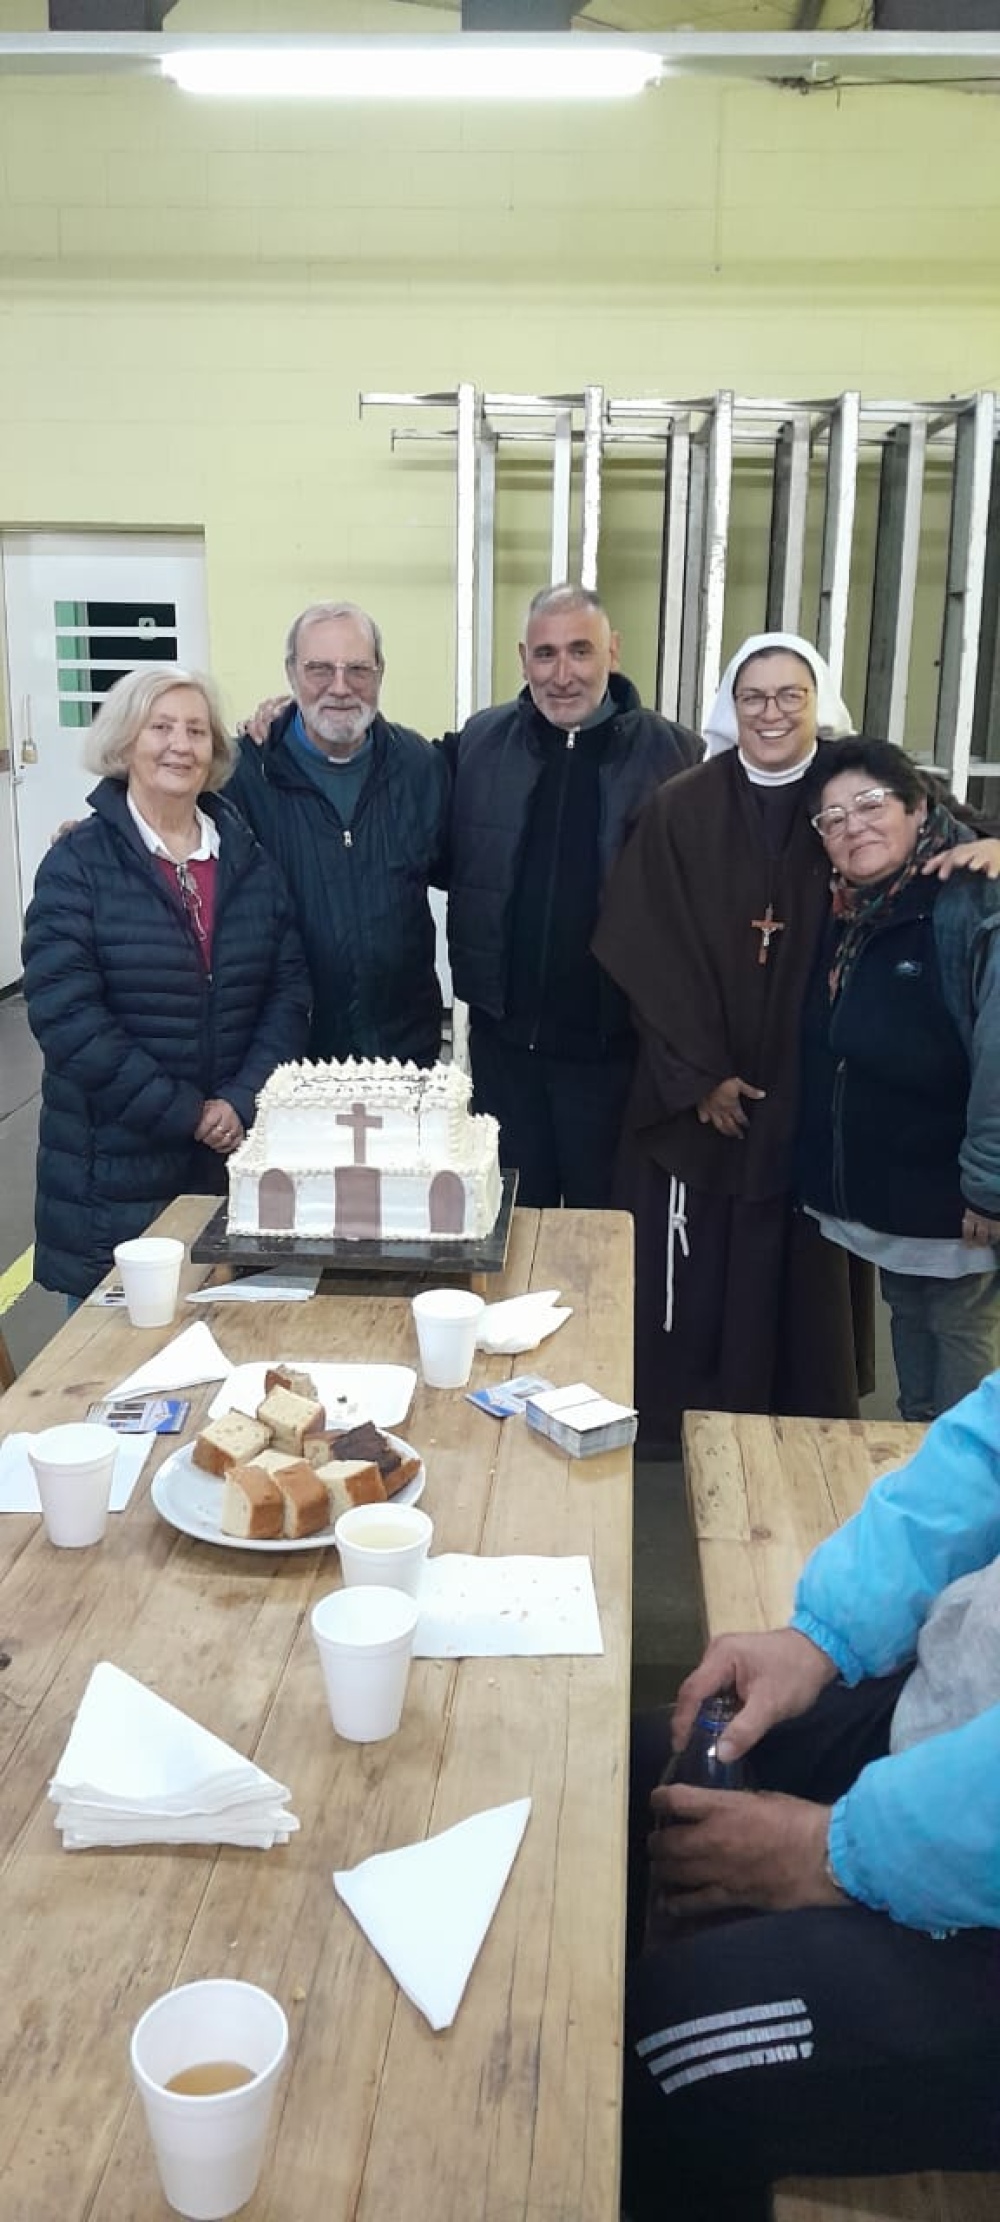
<point x="384" y="1543"/>
<point x="206" y="2059"/>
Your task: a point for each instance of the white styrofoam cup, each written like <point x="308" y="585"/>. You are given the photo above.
<point x="209" y="2150"/>
<point x="384" y="1545"/>
<point x="150" y="1268"/>
<point x="364" y="1637"/>
<point x="447" y="1323"/>
<point x="74" y="1467"/>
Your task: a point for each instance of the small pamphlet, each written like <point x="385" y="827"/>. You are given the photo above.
<point x="507" y="1399"/>
<point x="580" y="1420"/>
<point x="142" y="1415"/>
<point x="111" y="1298"/>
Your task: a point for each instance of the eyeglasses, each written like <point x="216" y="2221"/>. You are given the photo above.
<point x="830" y="824"/>
<point x="323" y="675"/>
<point x="754" y="699"/>
<point x="190" y="895"/>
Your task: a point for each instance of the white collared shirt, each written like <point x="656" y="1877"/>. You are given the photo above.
<point x="208" y="836"/>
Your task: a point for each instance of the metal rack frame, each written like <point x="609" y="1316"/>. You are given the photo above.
<point x="810" y="447"/>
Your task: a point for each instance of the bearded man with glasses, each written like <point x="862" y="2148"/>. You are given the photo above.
<point x="354" y="811"/>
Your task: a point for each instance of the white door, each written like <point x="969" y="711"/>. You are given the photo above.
<point x="81" y="609"/>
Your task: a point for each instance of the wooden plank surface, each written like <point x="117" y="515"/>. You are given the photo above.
<point x="763" y="1492"/>
<point x="515" y="2110"/>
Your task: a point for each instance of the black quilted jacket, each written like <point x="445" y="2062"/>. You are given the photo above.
<point x="135" y="1035"/>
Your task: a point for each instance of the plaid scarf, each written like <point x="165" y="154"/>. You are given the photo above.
<point x="857" y="909"/>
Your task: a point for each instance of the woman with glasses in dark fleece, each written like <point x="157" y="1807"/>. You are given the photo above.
<point x="164" y="978"/>
<point x="899" y="1139"/>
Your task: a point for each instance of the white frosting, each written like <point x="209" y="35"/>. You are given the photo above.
<point x="404" y="1124"/>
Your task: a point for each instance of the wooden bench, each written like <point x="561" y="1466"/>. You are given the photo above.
<point x="762" y="1493"/>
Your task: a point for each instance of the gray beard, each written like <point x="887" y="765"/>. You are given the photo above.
<point x="338" y="729"/>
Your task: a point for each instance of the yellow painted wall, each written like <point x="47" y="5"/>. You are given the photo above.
<point x="192" y="294"/>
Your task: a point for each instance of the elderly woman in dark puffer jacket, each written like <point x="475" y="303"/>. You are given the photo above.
<point x="164" y="978"/>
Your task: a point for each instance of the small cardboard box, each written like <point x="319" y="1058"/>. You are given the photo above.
<point x="581" y="1421"/>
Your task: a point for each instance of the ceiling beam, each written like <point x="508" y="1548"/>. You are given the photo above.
<point x="805" y="57"/>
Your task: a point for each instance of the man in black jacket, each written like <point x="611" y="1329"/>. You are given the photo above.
<point x="546" y="789"/>
<point x="354" y="812"/>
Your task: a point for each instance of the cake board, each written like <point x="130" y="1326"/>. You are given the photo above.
<point x="427" y="1260"/>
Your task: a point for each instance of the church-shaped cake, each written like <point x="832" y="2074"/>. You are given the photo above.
<point x="366" y="1149"/>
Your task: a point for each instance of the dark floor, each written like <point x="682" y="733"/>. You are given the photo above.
<point x="667" y="1615"/>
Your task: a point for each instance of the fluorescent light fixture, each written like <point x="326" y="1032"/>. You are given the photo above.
<point x="436" y="69"/>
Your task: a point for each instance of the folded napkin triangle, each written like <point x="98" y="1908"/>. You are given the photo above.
<point x="190" y="1358"/>
<point x="520" y="1323"/>
<point x="427" y="1907"/>
<point x="137" y="1769"/>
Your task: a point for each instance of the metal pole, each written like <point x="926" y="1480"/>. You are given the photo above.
<point x="975" y="429"/>
<point x="562" y="486"/>
<point x="986" y="717"/>
<point x="486" y="490"/>
<point x="719" y="494"/>
<point x="897" y="549"/>
<point x="469" y="421"/>
<point x="593" y="434"/>
<point x="676" y="481"/>
<point x="688" y="691"/>
<point x="789" y="502"/>
<point x="838" y="531"/>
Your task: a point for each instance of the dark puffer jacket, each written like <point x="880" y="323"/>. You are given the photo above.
<point x="136" y="1035"/>
<point x="499" y="761"/>
<point x="359" y="891"/>
<point x="900" y="1106"/>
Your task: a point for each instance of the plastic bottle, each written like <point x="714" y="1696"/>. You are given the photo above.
<point x="700" y="1766"/>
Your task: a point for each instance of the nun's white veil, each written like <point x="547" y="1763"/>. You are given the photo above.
<point x="833" y="718"/>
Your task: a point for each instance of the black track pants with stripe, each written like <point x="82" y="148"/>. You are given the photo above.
<point x="826" y="2042"/>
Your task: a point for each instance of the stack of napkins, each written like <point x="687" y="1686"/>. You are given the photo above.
<point x="427" y="1908"/>
<point x="581" y="1421"/>
<point x="137" y="1771"/>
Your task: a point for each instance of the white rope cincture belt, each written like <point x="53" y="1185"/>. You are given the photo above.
<point x="677" y="1234"/>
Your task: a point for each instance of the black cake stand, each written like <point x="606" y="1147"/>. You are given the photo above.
<point x="428" y="1260"/>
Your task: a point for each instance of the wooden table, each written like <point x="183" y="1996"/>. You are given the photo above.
<point x="763" y="1492"/>
<point x="512" y="2113"/>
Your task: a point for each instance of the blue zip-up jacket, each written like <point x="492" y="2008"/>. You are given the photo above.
<point x="359" y="891"/>
<point x="136" y="1035"/>
<point x="918" y="1835"/>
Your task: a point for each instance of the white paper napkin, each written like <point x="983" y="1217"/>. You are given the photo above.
<point x="136" y="1770"/>
<point x="473" y="1608"/>
<point x="192" y="1357"/>
<point x="521" y="1322"/>
<point x="426" y="1908"/>
<point x="262" y="1288"/>
<point x="19" y="1490"/>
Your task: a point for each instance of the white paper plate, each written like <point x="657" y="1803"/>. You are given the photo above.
<point x="382" y="1393"/>
<point x="191" y="1500"/>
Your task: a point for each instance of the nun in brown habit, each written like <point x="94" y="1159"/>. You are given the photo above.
<point x="711" y="925"/>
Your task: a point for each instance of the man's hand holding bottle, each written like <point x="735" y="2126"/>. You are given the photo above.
<point x="722" y="1850"/>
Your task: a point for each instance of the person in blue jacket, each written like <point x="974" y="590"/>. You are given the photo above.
<point x="849" y="2022"/>
<point x="898" y="1153"/>
<point x="163" y="974"/>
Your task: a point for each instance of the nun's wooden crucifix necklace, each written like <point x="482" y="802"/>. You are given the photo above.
<point x="767" y="927"/>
